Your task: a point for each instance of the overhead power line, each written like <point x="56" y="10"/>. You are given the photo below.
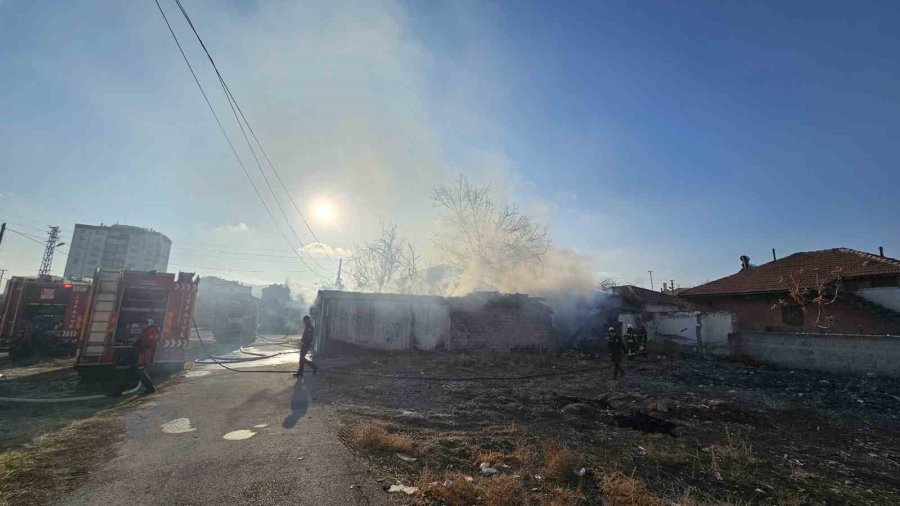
<point x="227" y="138"/>
<point x="234" y="105"/>
<point x="30" y="237"/>
<point x="195" y="251"/>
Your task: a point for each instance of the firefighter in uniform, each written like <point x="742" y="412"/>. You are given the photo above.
<point x="631" y="342"/>
<point x="134" y="361"/>
<point x="642" y="340"/>
<point x="616" y="349"/>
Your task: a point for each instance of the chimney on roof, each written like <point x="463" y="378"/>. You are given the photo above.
<point x="745" y="262"/>
<point x="773" y="255"/>
<point x="881" y="251"/>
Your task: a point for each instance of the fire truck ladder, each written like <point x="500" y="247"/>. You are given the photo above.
<point x="106" y="295"/>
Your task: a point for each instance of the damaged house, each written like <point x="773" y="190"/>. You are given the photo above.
<point x="619" y="305"/>
<point x="862" y="291"/>
<point x="479" y="321"/>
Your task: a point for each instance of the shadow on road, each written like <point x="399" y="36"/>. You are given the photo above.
<point x="299" y="405"/>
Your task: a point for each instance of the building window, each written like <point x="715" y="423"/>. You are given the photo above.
<point x="792" y="315"/>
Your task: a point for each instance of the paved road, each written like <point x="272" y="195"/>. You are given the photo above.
<point x="200" y="467"/>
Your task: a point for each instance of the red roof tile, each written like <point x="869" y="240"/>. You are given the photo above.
<point x="775" y="276"/>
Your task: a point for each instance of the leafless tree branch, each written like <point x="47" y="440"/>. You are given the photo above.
<point x="478" y="233"/>
<point x="388" y="262"/>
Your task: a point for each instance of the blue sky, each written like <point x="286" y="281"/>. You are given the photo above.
<point x="648" y="135"/>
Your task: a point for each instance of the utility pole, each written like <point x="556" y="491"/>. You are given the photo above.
<point x="2" y="231"/>
<point x="672" y="286"/>
<point x="339" y="284"/>
<point x="651" y="281"/>
<point x="2" y="273"/>
<point x="51" y="246"/>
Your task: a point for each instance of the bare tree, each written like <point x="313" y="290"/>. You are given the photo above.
<point x="478" y="233"/>
<point x="388" y="262"/>
<point x="815" y="291"/>
<point x="606" y="283"/>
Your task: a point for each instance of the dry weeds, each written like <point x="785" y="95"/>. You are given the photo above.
<point x="622" y="490"/>
<point x="54" y="464"/>
<point x="559" y="496"/>
<point x="666" y="452"/>
<point x="735" y="452"/>
<point x="458" y="489"/>
<point x="521" y="456"/>
<point x="560" y="463"/>
<point x="452" y="489"/>
<point x="503" y="490"/>
<point x="372" y="435"/>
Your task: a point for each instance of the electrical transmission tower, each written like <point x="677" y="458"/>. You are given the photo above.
<point x="47" y="261"/>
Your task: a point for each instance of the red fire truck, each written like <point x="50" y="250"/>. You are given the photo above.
<point x="43" y="316"/>
<point x="124" y="303"/>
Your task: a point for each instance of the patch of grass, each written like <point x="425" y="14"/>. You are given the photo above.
<point x="735" y="452"/>
<point x="560" y="462"/>
<point x="792" y="411"/>
<point x="371" y="435"/>
<point x="666" y="452"/>
<point x="493" y="458"/>
<point x="503" y="490"/>
<point x="520" y="456"/>
<point x="458" y="489"/>
<point x="452" y="489"/>
<point x="559" y="496"/>
<point x="621" y="490"/>
<point x="54" y="464"/>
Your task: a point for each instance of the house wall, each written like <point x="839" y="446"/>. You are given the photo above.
<point x="396" y="322"/>
<point x="691" y="329"/>
<point x="714" y="331"/>
<point x="755" y="313"/>
<point x="839" y="353"/>
<point x="888" y="297"/>
<point x="388" y="324"/>
<point x="499" y="325"/>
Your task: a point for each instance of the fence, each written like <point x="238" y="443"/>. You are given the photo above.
<point x="839" y="353"/>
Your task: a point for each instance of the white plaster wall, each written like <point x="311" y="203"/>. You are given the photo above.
<point x="714" y="330"/>
<point x="847" y="354"/>
<point x="387" y="324"/>
<point x="681" y="324"/>
<point x="432" y="324"/>
<point x="888" y="296"/>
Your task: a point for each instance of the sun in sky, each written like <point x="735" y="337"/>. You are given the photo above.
<point x="323" y="211"/>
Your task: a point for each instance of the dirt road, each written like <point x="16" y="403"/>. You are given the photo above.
<point x="227" y="438"/>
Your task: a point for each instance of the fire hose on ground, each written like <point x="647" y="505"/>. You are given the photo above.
<point x="222" y="364"/>
<point x="29" y="400"/>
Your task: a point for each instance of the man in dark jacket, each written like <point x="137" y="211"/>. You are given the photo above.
<point x="306" y="342"/>
<point x="616" y="349"/>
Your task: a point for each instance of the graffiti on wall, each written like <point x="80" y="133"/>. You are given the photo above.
<point x="360" y="320"/>
<point x="390" y="331"/>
